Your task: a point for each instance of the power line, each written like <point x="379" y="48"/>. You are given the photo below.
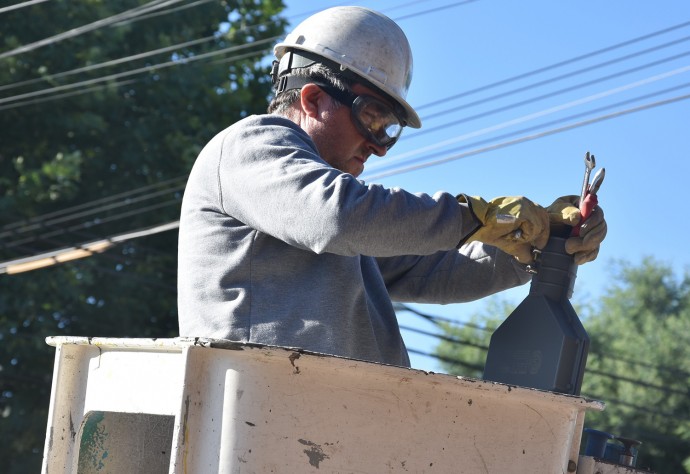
<point x="80" y="251"/>
<point x="140" y="70"/>
<point x="153" y="5"/>
<point x="164" y="12"/>
<point x="394" y="171"/>
<point x="664" y="30"/>
<point x="148" y="68"/>
<point x="87" y="90"/>
<point x="525" y="138"/>
<point x="129" y="200"/>
<point x="549" y="111"/>
<point x="439" y="321"/>
<point x="553" y="93"/>
<point x="104" y="64"/>
<point x="399" y="162"/>
<point x="97" y="202"/>
<point x="556" y="65"/>
<point x="134" y="57"/>
<point x="17" y="6"/>
<point x="433" y="10"/>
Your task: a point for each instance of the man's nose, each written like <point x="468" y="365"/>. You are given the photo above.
<point x="377" y="150"/>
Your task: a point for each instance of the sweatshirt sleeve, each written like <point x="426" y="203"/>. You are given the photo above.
<point x="272" y="179"/>
<point x="472" y="272"/>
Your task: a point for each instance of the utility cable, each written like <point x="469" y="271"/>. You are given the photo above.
<point x="438" y="161"/>
<point x="108" y="199"/>
<point x="140" y="70"/>
<point x="445" y="337"/>
<point x="83" y="91"/>
<point x="131" y="58"/>
<point x="555" y="65"/>
<point x="603" y="356"/>
<point x="542" y="113"/>
<point x="164" y="12"/>
<point x="99" y="221"/>
<point x="478" y="368"/>
<point x="146" y="8"/>
<point x="79" y="251"/>
<point x="41" y="226"/>
<point x="396" y="171"/>
<point x="113" y="62"/>
<point x="403" y="159"/>
<point x="600" y="373"/>
<point x="654" y="34"/>
<point x="433" y="10"/>
<point x="17" y="6"/>
<point x="525" y="138"/>
<point x="550" y="94"/>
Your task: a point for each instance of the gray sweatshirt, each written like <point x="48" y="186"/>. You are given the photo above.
<point x="277" y="247"/>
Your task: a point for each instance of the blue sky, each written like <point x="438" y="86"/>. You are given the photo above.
<point x="605" y="73"/>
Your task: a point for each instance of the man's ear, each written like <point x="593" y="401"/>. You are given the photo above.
<point x="312" y="99"/>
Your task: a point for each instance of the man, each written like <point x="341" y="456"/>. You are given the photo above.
<point x="280" y="243"/>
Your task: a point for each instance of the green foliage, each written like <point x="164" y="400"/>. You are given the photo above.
<point x="638" y="362"/>
<point x="640" y="337"/>
<point x="68" y="147"/>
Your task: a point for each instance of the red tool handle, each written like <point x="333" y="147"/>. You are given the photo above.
<point x="586" y="208"/>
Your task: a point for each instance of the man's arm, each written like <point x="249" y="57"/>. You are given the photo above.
<point x="472" y="272"/>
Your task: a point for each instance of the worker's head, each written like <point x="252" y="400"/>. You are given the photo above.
<point x="348" y="58"/>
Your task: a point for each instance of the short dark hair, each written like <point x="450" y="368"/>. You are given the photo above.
<point x="318" y="73"/>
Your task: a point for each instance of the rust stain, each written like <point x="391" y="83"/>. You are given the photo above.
<point x="185" y="433"/>
<point x="314" y="453"/>
<point x="72" y="432"/>
<point x="293" y="357"/>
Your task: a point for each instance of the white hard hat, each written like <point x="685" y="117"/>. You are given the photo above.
<point x="360" y="40"/>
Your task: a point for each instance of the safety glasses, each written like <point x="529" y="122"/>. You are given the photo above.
<point x="375" y="120"/>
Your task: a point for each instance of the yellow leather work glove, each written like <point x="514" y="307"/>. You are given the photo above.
<point x="513" y="224"/>
<point x="585" y="247"/>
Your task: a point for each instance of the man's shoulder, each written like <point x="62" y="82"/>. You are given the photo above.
<point x="263" y="127"/>
<point x="263" y="120"/>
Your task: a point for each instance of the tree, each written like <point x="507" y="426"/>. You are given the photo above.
<point x="638" y="361"/>
<point x="640" y="340"/>
<point x="100" y="151"/>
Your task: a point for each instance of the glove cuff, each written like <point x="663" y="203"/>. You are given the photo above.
<point x="479" y="208"/>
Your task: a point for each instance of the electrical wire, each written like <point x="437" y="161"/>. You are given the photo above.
<point x="113" y="62"/>
<point x="42" y="225"/>
<point x="17" y="6"/>
<point x="559" y="92"/>
<point x="86" y="90"/>
<point x="440" y="321"/>
<point x="556" y="65"/>
<point x="559" y="108"/>
<point x="134" y="57"/>
<point x="410" y="167"/>
<point x="524" y="138"/>
<point x="646" y="81"/>
<point x="397" y="163"/>
<point x="145" y="69"/>
<point x="79" y="251"/>
<point x="164" y="12"/>
<point x="106" y="200"/>
<point x="433" y="10"/>
<point x="423" y="106"/>
<point x="146" y="8"/>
